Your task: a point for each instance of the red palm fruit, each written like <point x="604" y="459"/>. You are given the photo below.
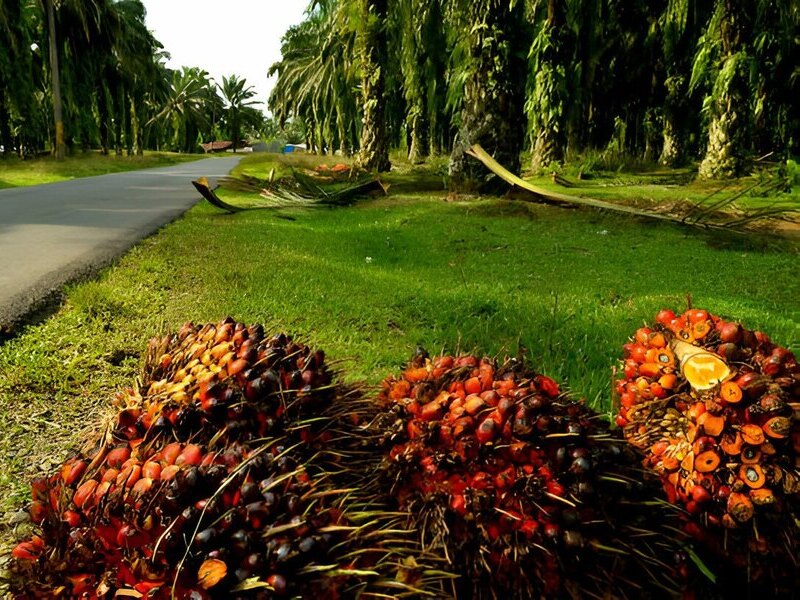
<point x="463" y="426"/>
<point x="39" y="488"/>
<point x="110" y="475"/>
<point x="103" y="488"/>
<point x="631" y="369"/>
<point x="278" y="584"/>
<point x="171" y="452"/>
<point x="466" y="361"/>
<point x="237" y="366"/>
<point x="473" y="385"/>
<point x="117" y="456"/>
<point x="665" y="317"/>
<point x="192" y="454"/>
<point x="151" y="470"/>
<point x="729" y="332"/>
<point x="38" y="511"/>
<point x="25" y="551"/>
<point x="142" y="486"/>
<point x="129" y="475"/>
<point x="547" y="385"/>
<point x="72" y="471"/>
<point x="491" y="397"/>
<point x="459" y="504"/>
<point x="697" y="315"/>
<point x="211" y="572"/>
<point x="71" y="518"/>
<point x="505" y="406"/>
<point x="505" y="478"/>
<point x="432" y="411"/>
<point x="700" y="494"/>
<point x="486" y="431"/>
<point x="752" y="383"/>
<point x="474" y="404"/>
<point x="169" y="472"/>
<point x="84" y="492"/>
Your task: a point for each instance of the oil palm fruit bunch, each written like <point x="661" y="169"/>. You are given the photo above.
<point x="225" y="380"/>
<point x="262" y="493"/>
<point x="524" y="490"/>
<point x="715" y="408"/>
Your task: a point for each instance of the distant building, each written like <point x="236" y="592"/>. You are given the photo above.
<point x="289" y="148"/>
<point x="222" y="146"/>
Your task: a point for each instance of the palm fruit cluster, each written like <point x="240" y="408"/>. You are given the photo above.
<point x="524" y="490"/>
<point x="715" y="408"/>
<point x="231" y="472"/>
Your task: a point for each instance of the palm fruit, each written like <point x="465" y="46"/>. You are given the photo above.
<point x="260" y="495"/>
<point x="524" y="490"/>
<point x="224" y="380"/>
<point x="715" y="408"/>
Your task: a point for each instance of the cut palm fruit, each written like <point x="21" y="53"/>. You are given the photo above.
<point x="702" y="369"/>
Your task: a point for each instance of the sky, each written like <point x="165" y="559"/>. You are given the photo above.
<point x="225" y="37"/>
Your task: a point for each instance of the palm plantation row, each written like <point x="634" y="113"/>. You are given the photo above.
<point x="672" y="80"/>
<point x="93" y="66"/>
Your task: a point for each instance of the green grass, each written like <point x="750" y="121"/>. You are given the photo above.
<point x="15" y="172"/>
<point x="371" y="282"/>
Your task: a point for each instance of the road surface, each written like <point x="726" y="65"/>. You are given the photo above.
<point x="54" y="233"/>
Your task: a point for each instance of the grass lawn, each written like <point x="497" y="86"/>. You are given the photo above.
<point x="371" y="282"/>
<point x="15" y="172"/>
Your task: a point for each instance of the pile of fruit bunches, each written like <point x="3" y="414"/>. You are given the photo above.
<point x="231" y="472"/>
<point x="524" y="490"/>
<point x="715" y="408"/>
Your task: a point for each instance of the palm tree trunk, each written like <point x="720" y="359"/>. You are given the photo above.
<point x="119" y="118"/>
<point x="549" y="95"/>
<point x="492" y="113"/>
<point x="5" y="130"/>
<point x="103" y="116"/>
<point x="729" y="129"/>
<point x="374" y="153"/>
<point x="58" y="119"/>
<point x="672" y="134"/>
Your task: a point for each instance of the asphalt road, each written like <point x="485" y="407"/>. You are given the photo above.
<point x="54" y="233"/>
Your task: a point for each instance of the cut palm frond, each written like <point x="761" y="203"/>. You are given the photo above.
<point x="701" y="214"/>
<point x="301" y="192"/>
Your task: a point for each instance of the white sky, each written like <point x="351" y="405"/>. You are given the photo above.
<point x="225" y="37"/>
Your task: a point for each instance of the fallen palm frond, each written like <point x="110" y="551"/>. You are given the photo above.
<point x="302" y="191"/>
<point x="699" y="215"/>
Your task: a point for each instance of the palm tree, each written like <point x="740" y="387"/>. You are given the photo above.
<point x="89" y="14"/>
<point x="239" y="103"/>
<point x="546" y="104"/>
<point x="184" y="113"/>
<point x="374" y="153"/>
<point x="724" y="47"/>
<point x="422" y="50"/>
<point x="318" y="76"/>
<point x="492" y="109"/>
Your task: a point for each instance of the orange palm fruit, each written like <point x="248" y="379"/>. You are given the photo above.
<point x="740" y="507"/>
<point x="777" y="427"/>
<point x="752" y="475"/>
<point x="730" y="392"/>
<point x="707" y="461"/>
<point x="752" y="434"/>
<point x="712" y="424"/>
<point x="211" y="572"/>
